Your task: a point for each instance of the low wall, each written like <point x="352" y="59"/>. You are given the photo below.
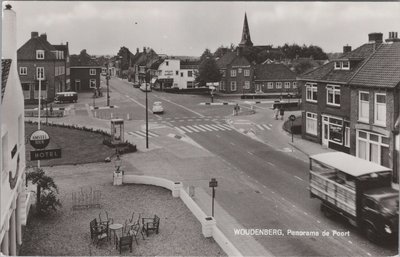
<point x="175" y="187"/>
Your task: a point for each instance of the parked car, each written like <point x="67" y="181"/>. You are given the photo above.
<point x="157" y="107"/>
<point x="66" y="97"/>
<point x="145" y="87"/>
<point x="136" y="84"/>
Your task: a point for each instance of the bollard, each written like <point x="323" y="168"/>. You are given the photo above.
<point x="177" y="189"/>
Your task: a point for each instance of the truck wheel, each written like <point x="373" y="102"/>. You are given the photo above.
<point x="370" y="232"/>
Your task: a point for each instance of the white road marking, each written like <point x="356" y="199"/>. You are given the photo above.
<point x="216" y="126"/>
<point x="318" y="221"/>
<point x="202" y="126"/>
<point x="190" y="127"/>
<point x="199" y="114"/>
<point x="250" y="152"/>
<point x="266" y="126"/>
<point x="180" y="130"/>
<point x="299" y="178"/>
<point x="260" y="127"/>
<point x="350" y="242"/>
<point x="208" y="126"/>
<point x="198" y="127"/>
<point x="369" y="254"/>
<point x="226" y="126"/>
<point x="186" y="129"/>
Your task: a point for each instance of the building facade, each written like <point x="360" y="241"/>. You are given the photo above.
<point x="14" y="198"/>
<point x="85" y="73"/>
<point x="38" y="60"/>
<point x="275" y="78"/>
<point x="351" y="104"/>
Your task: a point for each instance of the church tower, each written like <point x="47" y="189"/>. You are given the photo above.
<point x="246" y="40"/>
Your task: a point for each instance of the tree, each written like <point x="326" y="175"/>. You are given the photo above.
<point x="206" y="54"/>
<point x="46" y="190"/>
<point x="208" y="72"/>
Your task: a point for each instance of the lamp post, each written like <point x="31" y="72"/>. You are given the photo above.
<point x="108" y="88"/>
<point x="147" y="120"/>
<point x="118" y="163"/>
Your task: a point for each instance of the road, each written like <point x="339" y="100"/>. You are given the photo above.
<point x="279" y="198"/>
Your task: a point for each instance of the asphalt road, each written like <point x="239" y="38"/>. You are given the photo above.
<point x="280" y="200"/>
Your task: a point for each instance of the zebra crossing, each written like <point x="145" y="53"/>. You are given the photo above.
<point x="264" y="126"/>
<point x="142" y="133"/>
<point x="202" y="128"/>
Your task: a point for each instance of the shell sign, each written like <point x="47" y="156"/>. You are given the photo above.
<point x="39" y="139"/>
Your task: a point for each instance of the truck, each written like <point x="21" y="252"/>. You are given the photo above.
<point x="358" y="190"/>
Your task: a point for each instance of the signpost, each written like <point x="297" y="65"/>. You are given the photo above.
<point x="292" y="118"/>
<point x="39" y="140"/>
<point x="213" y="183"/>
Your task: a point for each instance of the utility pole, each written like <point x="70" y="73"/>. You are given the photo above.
<point x="108" y="86"/>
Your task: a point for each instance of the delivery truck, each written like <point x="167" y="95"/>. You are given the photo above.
<point x="358" y="190"/>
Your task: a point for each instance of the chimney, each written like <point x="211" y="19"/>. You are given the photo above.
<point x="346" y="49"/>
<point x="9" y="33"/>
<point x="393" y="37"/>
<point x="144" y="49"/>
<point x="43" y="36"/>
<point x="375" y="37"/>
<point x="137" y="50"/>
<point x="34" y="34"/>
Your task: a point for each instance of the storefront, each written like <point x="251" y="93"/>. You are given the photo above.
<point x="336" y="133"/>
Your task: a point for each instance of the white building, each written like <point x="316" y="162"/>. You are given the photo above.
<point x="177" y="73"/>
<point x="13" y="196"/>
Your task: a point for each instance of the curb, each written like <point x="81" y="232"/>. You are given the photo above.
<point x="103" y="107"/>
<point x="224" y="103"/>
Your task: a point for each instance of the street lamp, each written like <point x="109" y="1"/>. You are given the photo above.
<point x="147" y="119"/>
<point x="108" y="88"/>
<point x="118" y="163"/>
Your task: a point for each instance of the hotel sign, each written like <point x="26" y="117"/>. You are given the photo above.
<point x="39" y="139"/>
<point x="38" y="155"/>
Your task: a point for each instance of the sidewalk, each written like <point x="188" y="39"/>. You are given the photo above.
<point x="176" y="158"/>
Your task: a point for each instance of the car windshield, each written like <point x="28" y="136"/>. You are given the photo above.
<point x="390" y="203"/>
<point x="157" y="103"/>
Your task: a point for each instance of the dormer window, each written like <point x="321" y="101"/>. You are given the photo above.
<point x="40" y="54"/>
<point x="342" y="65"/>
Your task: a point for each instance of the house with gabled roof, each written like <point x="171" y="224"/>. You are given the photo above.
<point x="38" y="59"/>
<point x="351" y="104"/>
<point x="85" y="72"/>
<point x="275" y="78"/>
<point x="14" y="198"/>
<point x="375" y="107"/>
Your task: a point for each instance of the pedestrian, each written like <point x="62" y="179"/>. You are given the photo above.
<point x="51" y="109"/>
<point x="276" y="112"/>
<point x="282" y="112"/>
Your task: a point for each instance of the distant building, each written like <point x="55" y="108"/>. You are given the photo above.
<point x="275" y="78"/>
<point x="14" y="199"/>
<point x="38" y="59"/>
<point x="85" y="72"/>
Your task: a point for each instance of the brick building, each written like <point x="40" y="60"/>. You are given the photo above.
<point x="275" y="78"/>
<point x="38" y="59"/>
<point x="85" y="72"/>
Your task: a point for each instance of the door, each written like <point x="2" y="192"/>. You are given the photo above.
<point x="77" y="85"/>
<point x="325" y="131"/>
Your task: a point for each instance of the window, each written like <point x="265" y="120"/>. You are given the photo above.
<point x="278" y="85"/>
<point x="233" y="86"/>
<point x="177" y="73"/>
<point x="166" y="63"/>
<point x="294" y="84"/>
<point x="311" y="92"/>
<point x="23" y="70"/>
<point x="311" y="123"/>
<point x="333" y="95"/>
<point x="92" y="71"/>
<point x="190" y="73"/>
<point x="380" y="109"/>
<point x="337" y="66"/>
<point x="92" y="83"/>
<point x="189" y="84"/>
<point x="247" y="85"/>
<point x="40" y="73"/>
<point x="181" y="74"/>
<point x="345" y="65"/>
<point x="287" y="84"/>
<point x="223" y="72"/>
<point x="223" y="85"/>
<point x="247" y="73"/>
<point x="40" y="54"/>
<point x="233" y="73"/>
<point x="363" y="106"/>
<point x="373" y="147"/>
<point x="270" y="85"/>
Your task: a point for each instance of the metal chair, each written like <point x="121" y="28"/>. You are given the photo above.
<point x="124" y="241"/>
<point x="98" y="233"/>
<point x="150" y="224"/>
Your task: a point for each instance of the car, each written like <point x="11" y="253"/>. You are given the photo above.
<point x="145" y="87"/>
<point x="157" y="107"/>
<point x="136" y="84"/>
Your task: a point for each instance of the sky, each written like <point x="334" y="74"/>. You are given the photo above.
<point x="188" y="28"/>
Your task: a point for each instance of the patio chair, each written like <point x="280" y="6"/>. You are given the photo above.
<point x="124" y="241"/>
<point x="105" y="219"/>
<point x="98" y="233"/>
<point x="150" y="224"/>
<point x="134" y="231"/>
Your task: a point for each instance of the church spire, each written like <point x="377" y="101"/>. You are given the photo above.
<point x="246" y="40"/>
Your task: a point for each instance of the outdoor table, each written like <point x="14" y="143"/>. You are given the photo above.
<point x="113" y="228"/>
